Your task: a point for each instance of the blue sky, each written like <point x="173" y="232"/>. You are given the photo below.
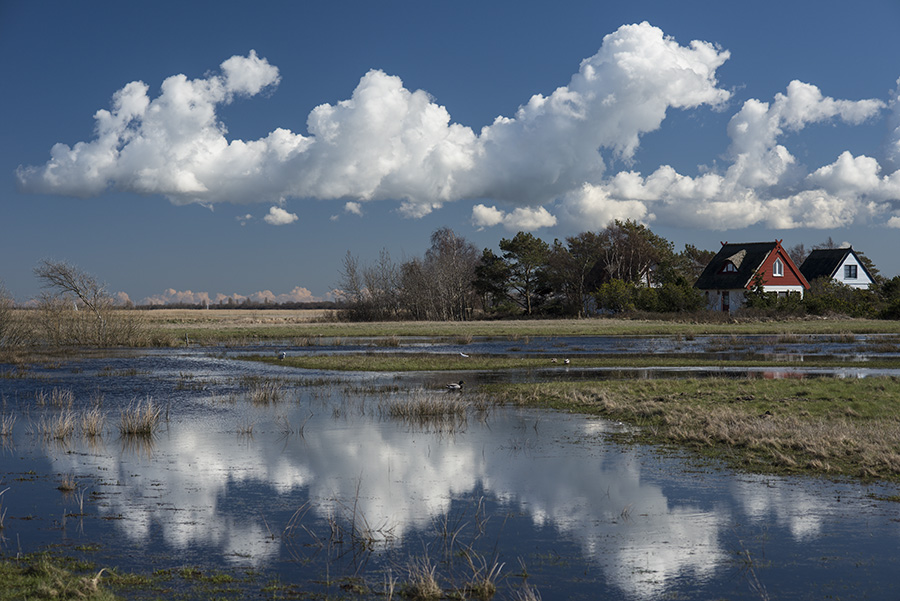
<point x="229" y="148"/>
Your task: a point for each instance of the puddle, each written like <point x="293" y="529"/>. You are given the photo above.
<point x="322" y="481"/>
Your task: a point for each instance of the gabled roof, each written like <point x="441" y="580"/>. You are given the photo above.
<point x="824" y="262"/>
<point x="746" y="258"/>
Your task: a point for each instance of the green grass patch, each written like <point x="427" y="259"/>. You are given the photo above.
<point x="233" y="331"/>
<point x="825" y="426"/>
<point x="43" y="576"/>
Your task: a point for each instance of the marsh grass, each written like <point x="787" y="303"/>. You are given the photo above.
<point x="2" y="509"/>
<point x="425" y="408"/>
<point x="44" y="577"/>
<point x="140" y="419"/>
<point x="485" y="574"/>
<point x="59" y="398"/>
<point x="266" y="392"/>
<point x="822" y="426"/>
<point x="7" y="424"/>
<point x="421" y="583"/>
<point x="93" y="422"/>
<point x="58" y="427"/>
<point x="67" y="483"/>
<point x="527" y="593"/>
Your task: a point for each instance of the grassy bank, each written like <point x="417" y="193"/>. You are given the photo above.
<point x="834" y="427"/>
<point x="425" y="362"/>
<point x="43" y="576"/>
<point x="238" y="326"/>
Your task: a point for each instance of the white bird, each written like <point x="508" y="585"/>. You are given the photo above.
<point x="462" y="354"/>
<point x="566" y="361"/>
<point x="282" y="355"/>
<point x="455" y="385"/>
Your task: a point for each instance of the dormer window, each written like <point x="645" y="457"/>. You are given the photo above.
<point x="729" y="267"/>
<point x="778" y="268"/>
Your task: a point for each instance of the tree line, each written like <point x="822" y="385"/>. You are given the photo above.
<point x="623" y="268"/>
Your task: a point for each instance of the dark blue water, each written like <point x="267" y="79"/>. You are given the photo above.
<point x="324" y="481"/>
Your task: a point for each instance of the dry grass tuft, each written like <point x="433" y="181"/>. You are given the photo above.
<point x="268" y="392"/>
<point x="93" y="422"/>
<point x="422" y="584"/>
<point x="140" y="419"/>
<point x="59" y="427"/>
<point x="7" y="423"/>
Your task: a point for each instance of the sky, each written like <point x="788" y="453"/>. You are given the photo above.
<point x="192" y="151"/>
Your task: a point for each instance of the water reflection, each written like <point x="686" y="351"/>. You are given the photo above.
<point x="639" y="523"/>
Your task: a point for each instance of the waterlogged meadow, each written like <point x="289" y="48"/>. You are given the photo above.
<point x="199" y="473"/>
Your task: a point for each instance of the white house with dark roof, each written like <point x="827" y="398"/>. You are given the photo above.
<point x="733" y="272"/>
<point x="839" y="264"/>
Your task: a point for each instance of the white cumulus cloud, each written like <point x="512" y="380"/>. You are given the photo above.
<point x="278" y="216"/>
<point x="521" y="218"/>
<point x="387" y="142"/>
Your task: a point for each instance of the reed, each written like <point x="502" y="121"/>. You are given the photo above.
<point x="58" y="427"/>
<point x="140" y="419"/>
<point x="93" y="422"/>
<point x="2" y="509"/>
<point x="485" y="574"/>
<point x="60" y="398"/>
<point x="7" y="423"/>
<point x="527" y="593"/>
<point x="67" y="484"/>
<point x="267" y="392"/>
<point x="422" y="583"/>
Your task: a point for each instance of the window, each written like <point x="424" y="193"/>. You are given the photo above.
<point x="778" y="268"/>
<point x="849" y="272"/>
<point x="729" y="267"/>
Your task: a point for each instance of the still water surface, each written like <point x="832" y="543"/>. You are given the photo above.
<point x="323" y="485"/>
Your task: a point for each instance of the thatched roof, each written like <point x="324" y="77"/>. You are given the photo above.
<point x="746" y="258"/>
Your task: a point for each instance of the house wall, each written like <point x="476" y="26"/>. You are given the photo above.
<point x="789" y="281"/>
<point x="861" y="281"/>
<point x="736" y="299"/>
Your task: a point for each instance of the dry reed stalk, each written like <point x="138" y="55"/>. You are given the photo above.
<point x="7" y="423"/>
<point x="266" y="393"/>
<point x="59" y="427"/>
<point x="422" y="583"/>
<point x="140" y="419"/>
<point x="93" y="422"/>
<point x="67" y="484"/>
<point x="483" y="584"/>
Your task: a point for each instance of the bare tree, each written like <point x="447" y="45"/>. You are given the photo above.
<point x="450" y="265"/>
<point x="73" y="295"/>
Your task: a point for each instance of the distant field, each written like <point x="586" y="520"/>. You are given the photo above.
<point x="233" y="318"/>
<point x="237" y="324"/>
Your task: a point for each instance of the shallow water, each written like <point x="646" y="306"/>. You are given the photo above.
<point x="325" y="482"/>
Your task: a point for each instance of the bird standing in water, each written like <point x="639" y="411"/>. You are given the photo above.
<point x="455" y="385"/>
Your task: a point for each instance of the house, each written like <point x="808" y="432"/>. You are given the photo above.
<point x="839" y="264"/>
<point x="735" y="268"/>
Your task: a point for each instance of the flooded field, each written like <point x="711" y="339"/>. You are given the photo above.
<point x="295" y="483"/>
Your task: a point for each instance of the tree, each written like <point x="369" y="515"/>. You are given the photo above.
<point x="692" y="261"/>
<point x="569" y="269"/>
<point x="450" y="266"/>
<point x="798" y="253"/>
<point x="525" y="256"/>
<point x="491" y="280"/>
<point x="68" y="283"/>
<point x="73" y="293"/>
<point x="630" y="251"/>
